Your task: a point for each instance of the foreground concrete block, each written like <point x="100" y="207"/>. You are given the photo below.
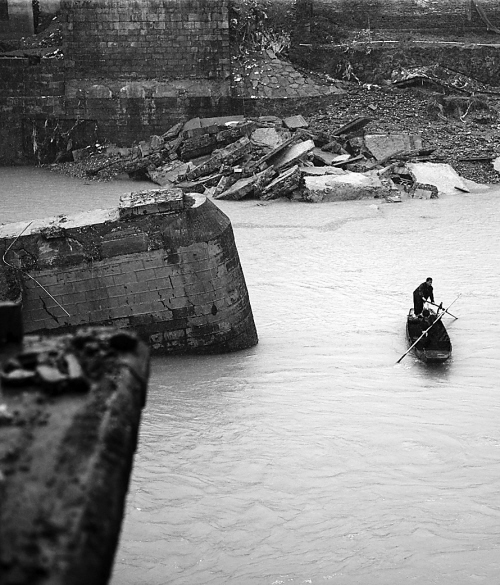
<point x="70" y="409"/>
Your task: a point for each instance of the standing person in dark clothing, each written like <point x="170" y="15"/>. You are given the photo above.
<point x="421" y="294"/>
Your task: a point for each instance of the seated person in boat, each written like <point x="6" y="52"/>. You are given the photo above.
<point x="422" y="293"/>
<point x="424" y="323"/>
<point x="432" y="337"/>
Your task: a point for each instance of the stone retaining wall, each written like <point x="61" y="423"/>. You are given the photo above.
<point x="442" y="16"/>
<point x="481" y="62"/>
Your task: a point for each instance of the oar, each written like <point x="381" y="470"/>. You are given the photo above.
<point x="425" y="332"/>
<point x="450" y="314"/>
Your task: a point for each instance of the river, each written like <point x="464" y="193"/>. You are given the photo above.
<point x="313" y="457"/>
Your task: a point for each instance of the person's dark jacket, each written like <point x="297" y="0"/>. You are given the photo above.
<point x="425" y="291"/>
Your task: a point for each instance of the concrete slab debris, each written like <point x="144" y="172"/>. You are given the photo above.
<point x="220" y="157"/>
<point x="246" y="186"/>
<point x="169" y="173"/>
<point x="329" y="158"/>
<point x="267" y="137"/>
<point x="295" y="122"/>
<point x="283" y="185"/>
<point x="443" y="176"/>
<point x="292" y="154"/>
<point x="382" y="146"/>
<point x="326" y="170"/>
<point x="345" y="187"/>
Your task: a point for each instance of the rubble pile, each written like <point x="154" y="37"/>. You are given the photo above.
<point x="266" y="157"/>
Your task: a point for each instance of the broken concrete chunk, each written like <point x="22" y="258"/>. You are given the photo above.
<point x="274" y="120"/>
<point x="382" y="146"/>
<point x="247" y="186"/>
<point x="345" y="187"/>
<point x="169" y="173"/>
<point x="327" y="158"/>
<point x="207" y="143"/>
<point x="223" y="184"/>
<point x="424" y="191"/>
<point x="353" y="127"/>
<point x="172" y="132"/>
<point x="326" y="170"/>
<point x="443" y="176"/>
<point x="294" y="122"/>
<point x="267" y="137"/>
<point x="292" y="154"/>
<point x="192" y="128"/>
<point x="227" y="156"/>
<point x="333" y="146"/>
<point x="284" y="184"/>
<point x="221" y="121"/>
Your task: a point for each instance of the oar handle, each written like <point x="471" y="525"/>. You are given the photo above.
<point x="450" y="314"/>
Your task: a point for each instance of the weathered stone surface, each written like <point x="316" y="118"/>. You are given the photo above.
<point x="283" y="185"/>
<point x="228" y="156"/>
<point x="424" y="191"/>
<point x="70" y="410"/>
<point x="383" y="145"/>
<point x="168" y="174"/>
<point x="165" y="264"/>
<point x="267" y="137"/>
<point x="247" y="186"/>
<point x="443" y="176"/>
<point x="295" y="122"/>
<point x="328" y="158"/>
<point x="326" y="170"/>
<point x="343" y="187"/>
<point x="292" y="154"/>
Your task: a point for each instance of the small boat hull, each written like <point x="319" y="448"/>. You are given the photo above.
<point x="433" y="349"/>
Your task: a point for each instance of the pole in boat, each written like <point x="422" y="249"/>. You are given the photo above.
<point x="450" y="314"/>
<point x="425" y="332"/>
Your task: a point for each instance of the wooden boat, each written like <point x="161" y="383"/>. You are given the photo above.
<point x="433" y="348"/>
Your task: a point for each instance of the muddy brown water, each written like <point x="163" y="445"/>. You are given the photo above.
<point x="313" y="457"/>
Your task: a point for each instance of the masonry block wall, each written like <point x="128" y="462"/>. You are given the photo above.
<point x="16" y="19"/>
<point x="442" y="16"/>
<point x="170" y="39"/>
<point x="481" y="62"/>
<point x="28" y="94"/>
<point x="171" y="273"/>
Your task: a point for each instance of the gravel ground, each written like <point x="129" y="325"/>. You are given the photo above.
<point x="475" y="134"/>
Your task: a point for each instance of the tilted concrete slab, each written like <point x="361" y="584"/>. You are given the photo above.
<point x="443" y="176"/>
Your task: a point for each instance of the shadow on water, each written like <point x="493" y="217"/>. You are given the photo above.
<point x="435" y="372"/>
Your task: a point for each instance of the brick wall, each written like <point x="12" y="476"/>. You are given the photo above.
<point x="29" y="93"/>
<point x="145" y="38"/>
<point x="175" y="278"/>
<point x="442" y="16"/>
